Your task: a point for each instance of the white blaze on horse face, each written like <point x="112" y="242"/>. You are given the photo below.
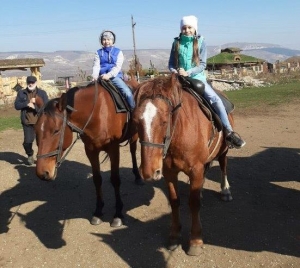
<point x="42" y="126"/>
<point x="147" y="116"/>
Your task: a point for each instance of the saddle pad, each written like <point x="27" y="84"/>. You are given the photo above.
<point x="206" y="108"/>
<point x="120" y="104"/>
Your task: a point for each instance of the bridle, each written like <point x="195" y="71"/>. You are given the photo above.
<point x="80" y="131"/>
<point x="169" y="133"/>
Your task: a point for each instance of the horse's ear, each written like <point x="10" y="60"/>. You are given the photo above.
<point x="132" y="82"/>
<point x="39" y="102"/>
<point x="62" y="102"/>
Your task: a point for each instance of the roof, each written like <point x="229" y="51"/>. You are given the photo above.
<point x="231" y="50"/>
<point x="230" y="58"/>
<point x="293" y="59"/>
<point x="13" y="64"/>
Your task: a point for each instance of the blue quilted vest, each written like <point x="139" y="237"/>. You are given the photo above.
<point x="108" y="58"/>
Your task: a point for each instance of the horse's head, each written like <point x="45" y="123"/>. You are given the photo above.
<point x="132" y="82"/>
<point x="153" y="120"/>
<point x="53" y="137"/>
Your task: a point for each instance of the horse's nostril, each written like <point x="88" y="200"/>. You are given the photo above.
<point x="157" y="173"/>
<point x="46" y="175"/>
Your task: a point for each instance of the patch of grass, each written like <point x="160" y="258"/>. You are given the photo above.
<point x="10" y="123"/>
<point x="271" y="96"/>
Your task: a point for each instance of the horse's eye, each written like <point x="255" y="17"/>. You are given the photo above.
<point x="56" y="131"/>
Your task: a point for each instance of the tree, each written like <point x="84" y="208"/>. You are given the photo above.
<point x="136" y="67"/>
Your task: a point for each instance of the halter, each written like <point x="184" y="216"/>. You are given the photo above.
<point x="80" y="132"/>
<point x="169" y="134"/>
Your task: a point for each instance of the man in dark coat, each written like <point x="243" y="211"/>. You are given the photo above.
<point x="26" y="103"/>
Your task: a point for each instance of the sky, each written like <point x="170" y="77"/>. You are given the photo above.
<point x="52" y="25"/>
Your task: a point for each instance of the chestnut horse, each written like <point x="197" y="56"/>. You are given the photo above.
<point x="90" y="112"/>
<point x="177" y="136"/>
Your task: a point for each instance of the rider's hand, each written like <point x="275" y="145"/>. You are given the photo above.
<point x="182" y="72"/>
<point x="105" y="76"/>
<point x="30" y="105"/>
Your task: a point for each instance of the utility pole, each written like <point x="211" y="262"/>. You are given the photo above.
<point x="134" y="51"/>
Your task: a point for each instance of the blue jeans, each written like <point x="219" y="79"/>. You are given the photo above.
<point x="124" y="89"/>
<point x="211" y="96"/>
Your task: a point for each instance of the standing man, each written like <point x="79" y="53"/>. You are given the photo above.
<point x="26" y="102"/>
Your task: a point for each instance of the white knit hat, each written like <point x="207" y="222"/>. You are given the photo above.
<point x="189" y="20"/>
<point x="108" y="34"/>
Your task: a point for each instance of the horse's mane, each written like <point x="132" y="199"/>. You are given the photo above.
<point x="168" y="86"/>
<point x="49" y="107"/>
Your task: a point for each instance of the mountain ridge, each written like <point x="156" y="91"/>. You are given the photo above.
<point x="73" y="62"/>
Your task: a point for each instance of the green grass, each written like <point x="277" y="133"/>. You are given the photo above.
<point x="13" y="122"/>
<point x="269" y="96"/>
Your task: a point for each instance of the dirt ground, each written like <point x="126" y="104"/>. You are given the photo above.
<point x="47" y="224"/>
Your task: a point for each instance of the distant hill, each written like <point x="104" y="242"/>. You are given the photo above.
<point x="71" y="63"/>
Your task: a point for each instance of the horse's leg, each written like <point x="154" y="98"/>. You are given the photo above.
<point x="114" y="155"/>
<point x="225" y="187"/>
<point x="93" y="157"/>
<point x="174" y="200"/>
<point x="133" y="146"/>
<point x="196" y="183"/>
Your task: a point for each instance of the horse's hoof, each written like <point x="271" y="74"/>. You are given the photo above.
<point x="139" y="181"/>
<point x="96" y="221"/>
<point x="116" y="222"/>
<point x="226" y="197"/>
<point x="173" y="243"/>
<point x="194" y="250"/>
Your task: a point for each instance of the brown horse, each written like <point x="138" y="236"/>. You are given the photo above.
<point x="177" y="136"/>
<point x="90" y="112"/>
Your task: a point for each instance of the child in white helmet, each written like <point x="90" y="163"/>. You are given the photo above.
<point x="108" y="62"/>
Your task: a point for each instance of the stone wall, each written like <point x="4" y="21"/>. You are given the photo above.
<point x="286" y="67"/>
<point x="9" y="87"/>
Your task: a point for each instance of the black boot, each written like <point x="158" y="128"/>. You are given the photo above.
<point x="234" y="140"/>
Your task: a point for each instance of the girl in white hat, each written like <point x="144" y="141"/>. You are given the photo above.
<point x="188" y="58"/>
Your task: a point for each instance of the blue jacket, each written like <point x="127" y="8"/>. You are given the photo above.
<point x="108" y="58"/>
<point x="22" y="101"/>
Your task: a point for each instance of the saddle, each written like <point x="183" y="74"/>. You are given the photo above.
<point x="196" y="88"/>
<point x="118" y="99"/>
<point x="121" y="105"/>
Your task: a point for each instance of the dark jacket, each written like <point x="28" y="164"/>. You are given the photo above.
<point x="22" y="101"/>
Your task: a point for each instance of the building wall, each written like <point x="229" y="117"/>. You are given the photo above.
<point x="229" y="70"/>
<point x="286" y="67"/>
